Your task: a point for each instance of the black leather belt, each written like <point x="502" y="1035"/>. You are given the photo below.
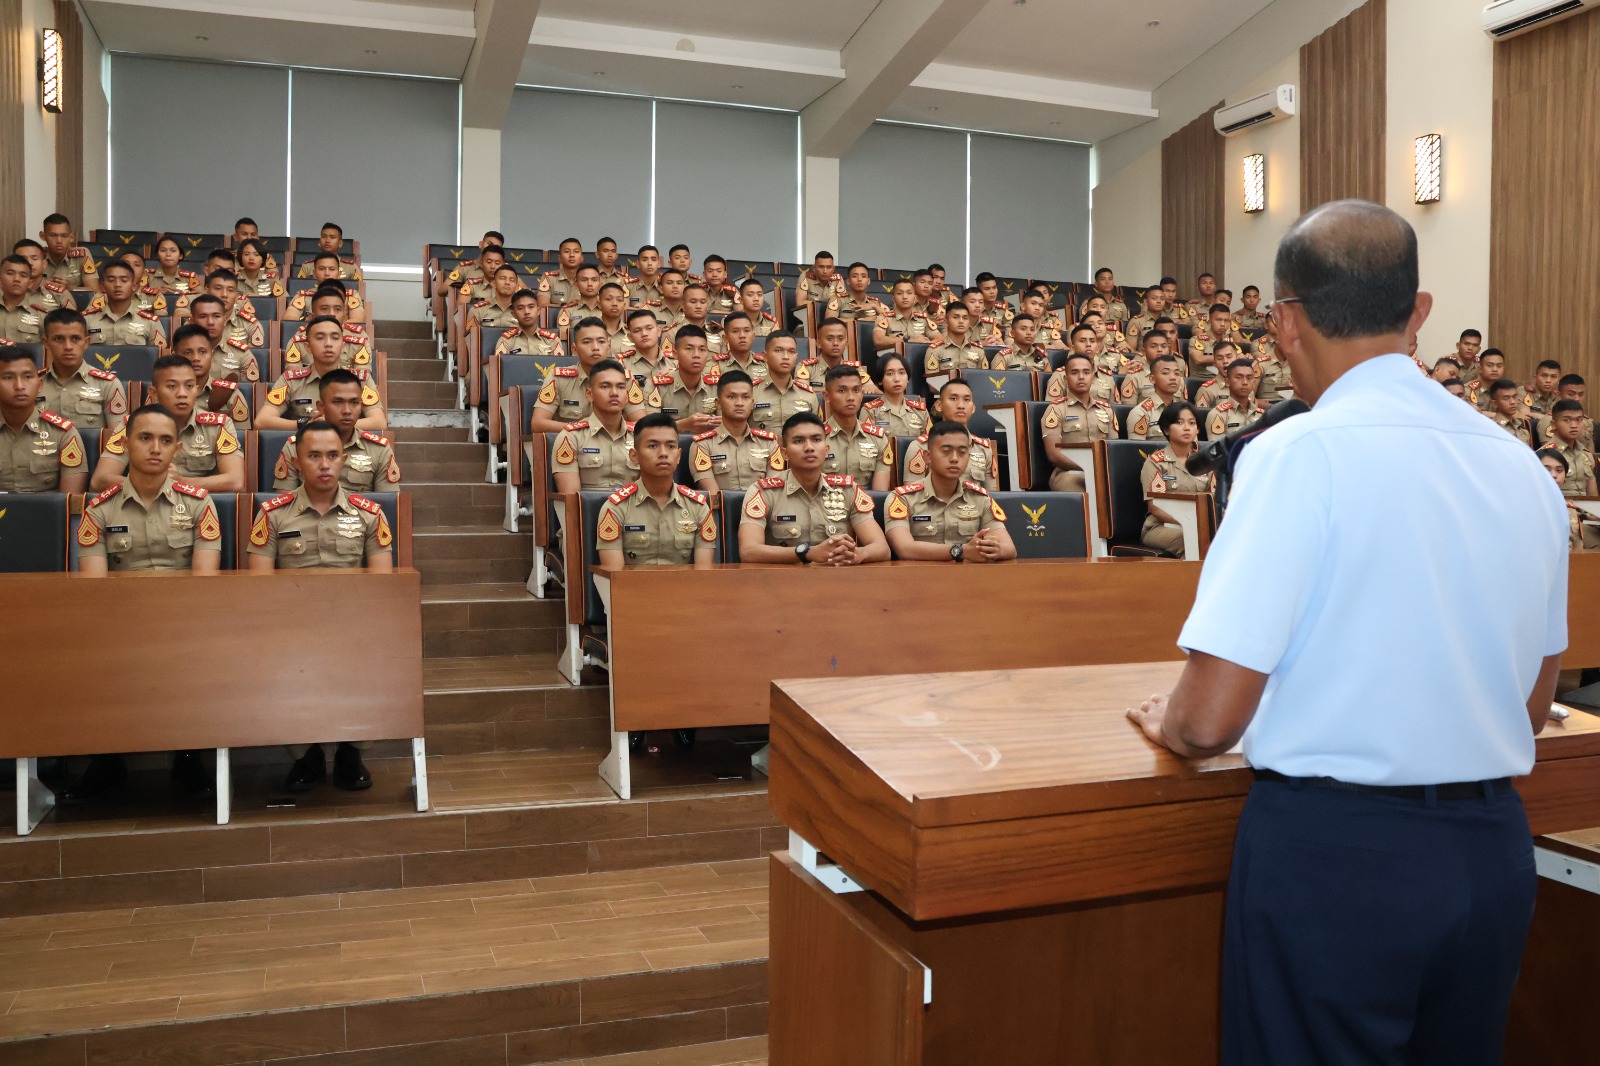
<point x="1451" y="790"/>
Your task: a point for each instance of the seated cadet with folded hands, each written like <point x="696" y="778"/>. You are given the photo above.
<point x="946" y="518"/>
<point x="651" y="521"/>
<point x="804" y="516"/>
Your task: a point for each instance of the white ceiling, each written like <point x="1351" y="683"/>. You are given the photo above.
<point x="1079" y="70"/>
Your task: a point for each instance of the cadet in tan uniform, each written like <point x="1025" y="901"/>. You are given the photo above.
<point x="1051" y="331"/>
<point x="1468" y="346"/>
<point x="696" y="305"/>
<point x="495" y="309"/>
<point x="1154" y="344"/>
<point x="854" y="302"/>
<point x="1022" y="353"/>
<point x="905" y="322"/>
<point x="295" y="394"/>
<point x="479" y="287"/>
<point x="115" y="316"/>
<point x="855" y="447"/>
<point x="1250" y="315"/>
<point x="805" y="516"/>
<point x="723" y="297"/>
<point x="331" y="239"/>
<point x="329" y="302"/>
<point x="21" y="311"/>
<point x="148" y="521"/>
<point x="1105" y="287"/>
<point x="830" y="345"/>
<point x="585" y="302"/>
<point x="982" y="329"/>
<point x="1166" y="390"/>
<point x="1565" y="427"/>
<point x="1542" y="395"/>
<point x="209" y="454"/>
<point x="671" y="314"/>
<point x="686" y="392"/>
<point x="1078" y="418"/>
<point x="818" y="286"/>
<point x="596" y="452"/>
<point x="65" y="261"/>
<point x="779" y="393"/>
<point x="953" y="350"/>
<point x="944" y="517"/>
<point x="563" y="397"/>
<point x="613" y="310"/>
<point x="892" y="411"/>
<point x="1200" y="305"/>
<point x="1240" y="408"/>
<point x="70" y="387"/>
<point x="1164" y="472"/>
<point x="321" y="525"/>
<point x="994" y="308"/>
<point x="1507" y="412"/>
<point x="40" y="451"/>
<point x="1216" y="389"/>
<point x="300" y="305"/>
<point x="369" y="461"/>
<point x="645" y="357"/>
<point x="1491" y="368"/>
<point x="752" y="301"/>
<point x="167" y="276"/>
<point x="258" y="273"/>
<point x="1570" y="387"/>
<point x="681" y="259"/>
<point x="931" y="296"/>
<point x="527" y="337"/>
<point x="955" y="404"/>
<point x="645" y="290"/>
<point x="559" y="287"/>
<point x="734" y="455"/>
<point x="240" y="324"/>
<point x="221" y="394"/>
<point x="1155" y="303"/>
<point x="605" y="253"/>
<point x="651" y="521"/>
<point x="738" y="339"/>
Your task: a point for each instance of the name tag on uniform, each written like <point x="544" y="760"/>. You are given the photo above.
<point x="569" y="403"/>
<point x="94" y="331"/>
<point x="719" y="458"/>
<point x="305" y="400"/>
<point x="590" y="451"/>
<point x="763" y="406"/>
<point x="288" y="534"/>
<point x="669" y="410"/>
<point x="116" y="529"/>
<point x="633" y="529"/>
<point x="922" y="518"/>
<point x="784" y="518"/>
<point x="1169" y="477"/>
<point x="1072" y="418"/>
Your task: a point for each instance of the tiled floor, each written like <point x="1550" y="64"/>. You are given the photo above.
<point x="751" y="1051"/>
<point x="66" y="972"/>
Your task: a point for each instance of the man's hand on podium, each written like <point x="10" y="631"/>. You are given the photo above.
<point x="1148" y="716"/>
<point x="1208" y="711"/>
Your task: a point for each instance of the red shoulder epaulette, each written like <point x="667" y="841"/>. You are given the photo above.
<point x="1159" y="456"/>
<point x="1004" y="351"/>
<point x="628" y="426"/>
<point x="187" y="274"/>
<point x="189" y="490"/>
<point x="769" y="316"/>
<point x="55" y="419"/>
<point x="375" y="438"/>
<point x="838" y="480"/>
<point x="547" y="334"/>
<point x="566" y="371"/>
<point x="224" y="381"/>
<point x="103" y="375"/>
<point x="297" y="374"/>
<point x="365" y="504"/>
<point x="805" y="385"/>
<point x="697" y="497"/>
<point x="277" y="502"/>
<point x="552" y="273"/>
<point x="985" y="441"/>
<point x="106" y="495"/>
<point x="873" y="403"/>
<point x="151" y="315"/>
<point x="916" y="404"/>
<point x="480" y="303"/>
<point x="624" y="492"/>
<point x="355" y="327"/>
<point x="582" y="423"/>
<point x="770" y="483"/>
<point x="975" y="487"/>
<point x="243" y="346"/>
<point x="707" y="435"/>
<point x="514" y="331"/>
<point x="348" y="260"/>
<point x="55" y="286"/>
<point x="1149" y="405"/>
<point x="77" y="253"/>
<point x="661" y="379"/>
<point x="762" y="434"/>
<point x="211" y="418"/>
<point x="150" y="290"/>
<point x="906" y="490"/>
<point x="872" y="429"/>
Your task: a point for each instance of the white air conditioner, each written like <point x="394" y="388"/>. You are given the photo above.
<point x="1258" y="110"/>
<point x="1509" y="18"/>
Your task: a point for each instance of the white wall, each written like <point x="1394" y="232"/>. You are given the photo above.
<point x="1441" y="80"/>
<point x="96" y="116"/>
<point x="1250" y="242"/>
<point x="1126" y="222"/>
<point x="38" y="126"/>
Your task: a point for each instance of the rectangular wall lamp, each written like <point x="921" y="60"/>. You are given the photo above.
<point x="50" y="71"/>
<point x="1430" y="168"/>
<point x="1255" y="183"/>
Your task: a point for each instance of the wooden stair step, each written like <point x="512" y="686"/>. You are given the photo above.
<point x="402" y="328"/>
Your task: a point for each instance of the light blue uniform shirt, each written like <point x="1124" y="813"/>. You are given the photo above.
<point x="1392" y="659"/>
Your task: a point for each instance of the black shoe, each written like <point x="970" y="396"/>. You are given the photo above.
<point x="106" y="773"/>
<point x="309" y="771"/>
<point x="348" y="771"/>
<point x="190" y="774"/>
<point x="685" y="738"/>
<point x="636" y="741"/>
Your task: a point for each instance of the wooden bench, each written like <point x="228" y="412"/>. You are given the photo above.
<point x="102" y="678"/>
<point x="775" y="622"/>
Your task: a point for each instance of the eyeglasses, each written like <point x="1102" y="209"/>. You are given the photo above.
<point x="1273" y="310"/>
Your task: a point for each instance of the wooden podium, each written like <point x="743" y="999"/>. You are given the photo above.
<point x="998" y="868"/>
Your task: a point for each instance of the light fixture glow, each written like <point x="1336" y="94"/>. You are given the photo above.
<point x="1429" y="183"/>
<point x="50" y="71"/>
<point x="1255" y="183"/>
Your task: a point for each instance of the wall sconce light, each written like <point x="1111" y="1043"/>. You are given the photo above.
<point x="50" y="71"/>
<point x="1430" y="168"/>
<point x="1255" y="183"/>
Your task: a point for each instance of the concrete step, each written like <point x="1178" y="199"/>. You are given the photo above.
<point x="416" y="370"/>
<point x="403" y="434"/>
<point x="509" y="703"/>
<point x="422" y="395"/>
<point x="455" y="503"/>
<point x="453" y="419"/>
<point x="489" y="619"/>
<point x="457" y="461"/>
<point x="472" y="555"/>
<point x="403" y="327"/>
<point x="471" y="571"/>
<point x="408" y="348"/>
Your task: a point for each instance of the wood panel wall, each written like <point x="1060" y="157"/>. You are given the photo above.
<point x="17" y="88"/>
<point x="1544" y="229"/>
<point x="69" y="124"/>
<point x="1192" y="193"/>
<point x="1342" y="108"/>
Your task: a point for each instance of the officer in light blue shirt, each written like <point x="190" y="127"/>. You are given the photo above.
<point x="1383" y="876"/>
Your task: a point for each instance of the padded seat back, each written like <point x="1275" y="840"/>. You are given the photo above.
<point x="130" y="362"/>
<point x="108" y="243"/>
<point x="1046" y="525"/>
<point x="1039" y="466"/>
<point x="1123" y="506"/>
<point x="269" y="446"/>
<point x="266" y="307"/>
<point x="34" y="533"/>
<point x="917" y="369"/>
<point x="729" y="519"/>
<point x="195" y="242"/>
<point x="999" y="386"/>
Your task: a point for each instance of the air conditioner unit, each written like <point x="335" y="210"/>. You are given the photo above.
<point x="1509" y="18"/>
<point x="1258" y="110"/>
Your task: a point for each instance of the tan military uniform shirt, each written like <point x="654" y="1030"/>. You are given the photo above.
<point x="33" y="458"/>
<point x="1071" y="421"/>
<point x="200" y="442"/>
<point x="983" y="465"/>
<point x="163" y="533"/>
<point x="348" y="270"/>
<point x="643" y="293"/>
<point x="615" y="277"/>
<point x="814" y="372"/>
<point x="1273" y="378"/>
<point x="847" y="308"/>
<point x="1580" y="467"/>
<point x="369" y="465"/>
<point x="713" y="335"/>
<point x="299" y="305"/>
<point x="238" y="408"/>
<point x="539" y="342"/>
<point x="601" y="460"/>
<point x="560" y="289"/>
<point x="1001" y="314"/>
<point x="264" y="284"/>
<point x="298" y="389"/>
<point x="906" y="420"/>
<point x="289" y="531"/>
<point x="1545" y="428"/>
<point x="576" y="312"/>
<point x="1229" y="415"/>
<point x="182" y="281"/>
<point x="792" y="516"/>
<point x="563" y="396"/>
<point x="722" y="301"/>
<point x="133" y="326"/>
<point x="764" y="323"/>
<point x="950" y="355"/>
<point x="735" y="462"/>
<point x="773" y="405"/>
<point x="1478" y="395"/>
<point x="670" y="395"/>
<point x="1539" y="403"/>
<point x="23" y="323"/>
<point x="1116" y="311"/>
<point x="1137" y="325"/>
<point x="820" y="291"/>
<point x="1211" y="393"/>
<point x="1249" y="319"/>
<point x="649" y="532"/>
<point x="490" y="313"/>
<point x="932" y="520"/>
<point x="1144" y="419"/>
<point x="1013" y="358"/>
<point x="353" y="353"/>
<point x="1163" y="473"/>
<point x="90" y="397"/>
<point x="913" y="327"/>
<point x="756" y="367"/>
<point x="668" y="318"/>
<point x="76" y="271"/>
<point x="860" y="453"/>
<point x="642" y="369"/>
<point x="1519" y="425"/>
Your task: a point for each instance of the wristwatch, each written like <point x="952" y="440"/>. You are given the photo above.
<point x="803" y="553"/>
<point x="958" y="552"/>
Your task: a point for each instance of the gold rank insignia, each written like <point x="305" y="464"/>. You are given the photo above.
<point x="608" y="530"/>
<point x="702" y="460"/>
<point x="635" y="393"/>
<point x="209" y="529"/>
<point x="755" y="505"/>
<point x="278" y="395"/>
<point x="994" y="507"/>
<point x="116" y="444"/>
<point x="259" y="532"/>
<point x="548" y="393"/>
<point x="385" y="535"/>
<point x="88" y="532"/>
<point x="281" y="468"/>
<point x="227" y="443"/>
<point x="897" y="508"/>
<point x="708" y="528"/>
<point x="564" y="451"/>
<point x="72" y="453"/>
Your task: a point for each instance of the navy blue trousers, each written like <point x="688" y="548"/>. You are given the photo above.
<point x="1365" y="929"/>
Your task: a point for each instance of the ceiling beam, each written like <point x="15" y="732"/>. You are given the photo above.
<point x="503" y="29"/>
<point x="894" y="45"/>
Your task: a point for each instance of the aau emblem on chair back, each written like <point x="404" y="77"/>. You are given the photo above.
<point x="1035" y="519"/>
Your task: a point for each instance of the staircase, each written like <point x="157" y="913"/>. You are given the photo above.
<point x="528" y="918"/>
